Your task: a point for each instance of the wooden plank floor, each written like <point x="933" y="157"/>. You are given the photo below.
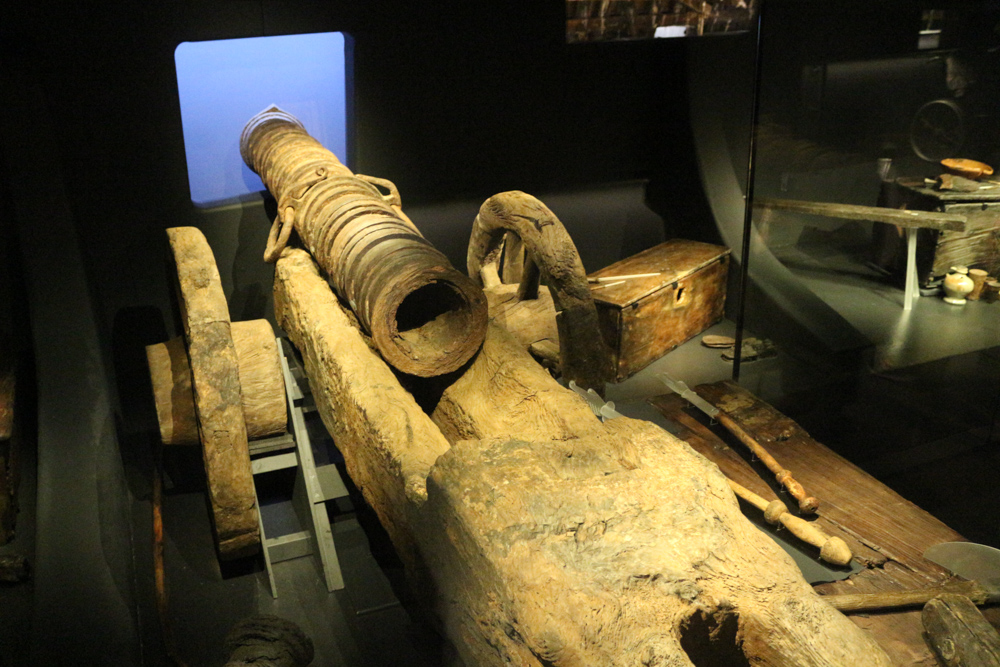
<point x="886" y="532"/>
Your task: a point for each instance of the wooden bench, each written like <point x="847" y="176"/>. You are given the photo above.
<point x="909" y="220"/>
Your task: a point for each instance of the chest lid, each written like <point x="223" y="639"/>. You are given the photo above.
<point x="670" y="261"/>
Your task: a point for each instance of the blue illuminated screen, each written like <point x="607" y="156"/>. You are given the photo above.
<point x="223" y="83"/>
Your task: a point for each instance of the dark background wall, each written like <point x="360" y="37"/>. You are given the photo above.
<point x="451" y="100"/>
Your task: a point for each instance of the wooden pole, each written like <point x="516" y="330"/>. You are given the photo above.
<point x="806" y="502"/>
<point x="832" y="549"/>
<point x="888" y="600"/>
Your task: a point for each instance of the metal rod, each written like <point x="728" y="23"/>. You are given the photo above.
<point x="748" y="203"/>
<point x="912" y="290"/>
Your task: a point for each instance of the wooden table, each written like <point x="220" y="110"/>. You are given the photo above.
<point x="886" y="532"/>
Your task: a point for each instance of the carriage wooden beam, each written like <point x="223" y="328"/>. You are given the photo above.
<point x="540" y="536"/>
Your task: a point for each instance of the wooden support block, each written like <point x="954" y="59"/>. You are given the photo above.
<point x="388" y="443"/>
<point x="959" y="634"/>
<point x="262" y="386"/>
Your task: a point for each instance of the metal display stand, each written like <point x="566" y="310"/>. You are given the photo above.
<point x="314" y="485"/>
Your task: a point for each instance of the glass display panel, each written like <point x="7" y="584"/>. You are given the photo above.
<point x="872" y="252"/>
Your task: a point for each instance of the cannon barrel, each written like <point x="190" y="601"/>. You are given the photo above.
<point x="425" y="317"/>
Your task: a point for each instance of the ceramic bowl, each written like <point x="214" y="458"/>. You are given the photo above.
<point x="967" y="168"/>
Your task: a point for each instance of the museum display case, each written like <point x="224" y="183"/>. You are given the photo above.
<point x="862" y="215"/>
<point x="767" y="227"/>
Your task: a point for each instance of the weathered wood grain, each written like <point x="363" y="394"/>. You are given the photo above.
<point x="551" y="538"/>
<point x="978" y="245"/>
<point x="217" y="396"/>
<point x="899" y="217"/>
<point x="830" y="475"/>
<point x="832" y="549"/>
<point x="886" y="533"/>
<point x="262" y="382"/>
<point x="552" y="498"/>
<point x="173" y="395"/>
<point x="915" y="597"/>
<point x="262" y="385"/>
<point x="782" y="475"/>
<point x="389" y="444"/>
<point x="552" y="256"/>
<point x="975" y="245"/>
<point x="932" y="197"/>
<point x="504" y="393"/>
<point x="959" y="634"/>
<point x="530" y="321"/>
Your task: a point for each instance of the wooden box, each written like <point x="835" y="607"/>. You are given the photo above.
<point x="644" y="318"/>
<point x="978" y="246"/>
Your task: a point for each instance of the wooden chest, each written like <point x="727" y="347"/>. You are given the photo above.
<point x="976" y="247"/>
<point x="644" y="318"/>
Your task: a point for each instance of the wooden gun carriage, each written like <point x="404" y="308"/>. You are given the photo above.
<point x="532" y="532"/>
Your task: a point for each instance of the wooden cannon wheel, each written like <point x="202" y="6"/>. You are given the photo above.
<point x="218" y="400"/>
<point x="554" y="260"/>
